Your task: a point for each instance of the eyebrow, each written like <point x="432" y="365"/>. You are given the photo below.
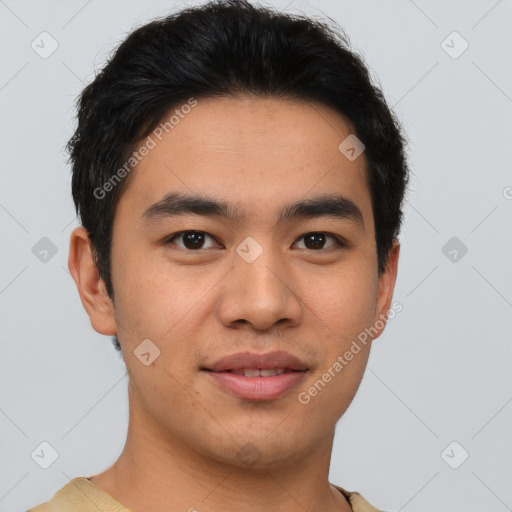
<point x="325" y="205"/>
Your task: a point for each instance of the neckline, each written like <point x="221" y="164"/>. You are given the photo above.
<point x="99" y="490"/>
<point x="347" y="494"/>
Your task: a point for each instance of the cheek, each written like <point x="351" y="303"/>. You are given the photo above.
<point x="343" y="304"/>
<point x="154" y="299"/>
<point x="345" y="300"/>
<point x="346" y="308"/>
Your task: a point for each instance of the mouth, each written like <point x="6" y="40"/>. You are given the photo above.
<point x="257" y="372"/>
<point x="257" y="384"/>
<point x="253" y="376"/>
<point x="251" y="362"/>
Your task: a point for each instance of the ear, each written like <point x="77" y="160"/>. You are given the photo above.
<point x="386" y="288"/>
<point x="91" y="287"/>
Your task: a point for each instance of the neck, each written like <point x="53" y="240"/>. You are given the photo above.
<point x="158" y="472"/>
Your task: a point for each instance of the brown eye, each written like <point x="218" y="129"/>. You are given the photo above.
<point x="191" y="240"/>
<point x="316" y="241"/>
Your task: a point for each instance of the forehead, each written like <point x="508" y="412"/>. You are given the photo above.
<point x="256" y="152"/>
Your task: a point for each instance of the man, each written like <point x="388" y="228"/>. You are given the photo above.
<point x="239" y="180"/>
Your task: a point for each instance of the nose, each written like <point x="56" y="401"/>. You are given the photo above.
<point x="259" y="294"/>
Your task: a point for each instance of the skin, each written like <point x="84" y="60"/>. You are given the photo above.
<point x="185" y="432"/>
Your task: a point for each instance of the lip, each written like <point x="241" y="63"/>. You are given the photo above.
<point x="275" y="359"/>
<point x="257" y="388"/>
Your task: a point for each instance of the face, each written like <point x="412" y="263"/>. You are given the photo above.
<point x="202" y="282"/>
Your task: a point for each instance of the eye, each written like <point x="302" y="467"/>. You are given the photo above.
<point x="195" y="240"/>
<point x="315" y="241"/>
<point x="192" y="240"/>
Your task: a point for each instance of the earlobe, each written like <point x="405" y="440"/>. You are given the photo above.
<point x="91" y="287"/>
<point x="386" y="288"/>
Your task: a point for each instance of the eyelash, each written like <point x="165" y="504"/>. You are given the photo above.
<point x="340" y="242"/>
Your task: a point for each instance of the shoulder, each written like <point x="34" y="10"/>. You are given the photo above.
<point x="80" y="495"/>
<point x="358" y="503"/>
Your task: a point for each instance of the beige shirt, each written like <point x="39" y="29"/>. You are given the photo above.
<point x="81" y="495"/>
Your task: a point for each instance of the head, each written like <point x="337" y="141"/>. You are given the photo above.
<point x="223" y="130"/>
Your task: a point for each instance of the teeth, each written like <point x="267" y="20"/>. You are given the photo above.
<point x="251" y="372"/>
<point x="271" y="372"/>
<point x="255" y="372"/>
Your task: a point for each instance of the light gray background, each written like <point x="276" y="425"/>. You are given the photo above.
<point x="441" y="372"/>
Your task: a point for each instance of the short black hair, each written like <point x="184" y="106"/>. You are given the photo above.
<point x="222" y="49"/>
